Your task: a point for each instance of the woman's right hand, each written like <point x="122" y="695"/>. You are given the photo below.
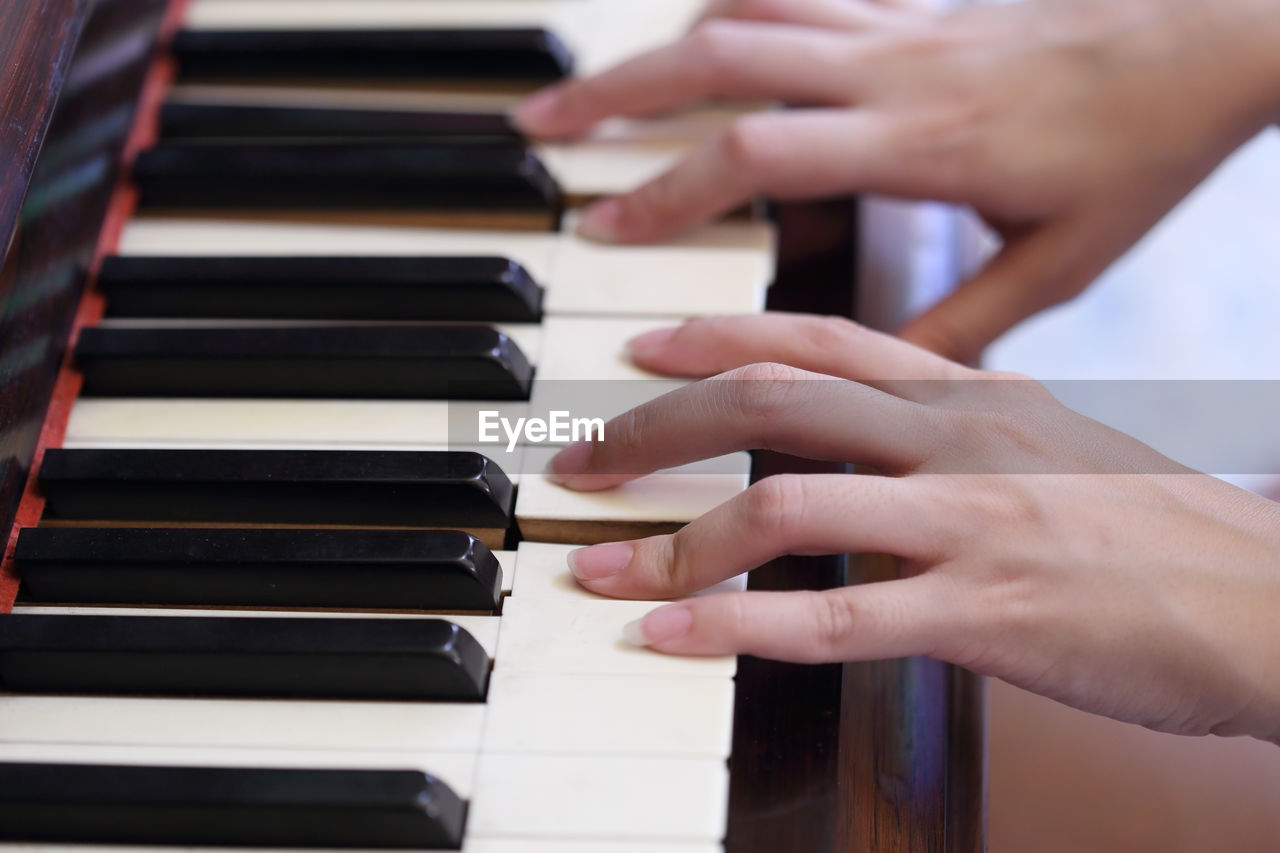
<point x="1071" y="126"/>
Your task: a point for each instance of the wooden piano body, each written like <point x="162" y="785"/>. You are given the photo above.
<point x="858" y="757"/>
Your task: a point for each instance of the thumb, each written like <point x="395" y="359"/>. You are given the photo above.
<point x="1034" y="270"/>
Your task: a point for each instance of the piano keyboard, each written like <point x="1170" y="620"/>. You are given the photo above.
<point x="278" y="597"/>
<point x="579" y="736"/>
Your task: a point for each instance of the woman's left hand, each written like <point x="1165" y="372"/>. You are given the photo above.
<point x="1038" y="546"/>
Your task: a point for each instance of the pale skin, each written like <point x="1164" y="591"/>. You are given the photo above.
<point x="1038" y="546"/>
<point x="1070" y="126"/>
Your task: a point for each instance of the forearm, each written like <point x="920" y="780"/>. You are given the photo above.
<point x="1237" y="44"/>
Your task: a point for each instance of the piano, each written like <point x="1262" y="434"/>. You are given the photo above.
<point x="263" y="264"/>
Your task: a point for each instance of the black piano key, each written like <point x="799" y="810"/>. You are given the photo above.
<point x="183" y="120"/>
<point x="289" y="657"/>
<point x="352" y="175"/>
<point x="401" y="362"/>
<point x="104" y="804"/>
<point x="366" y="569"/>
<point x="532" y="56"/>
<point x="344" y="487"/>
<point x="321" y="288"/>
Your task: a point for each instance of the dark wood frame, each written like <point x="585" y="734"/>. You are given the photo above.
<point x="886" y="756"/>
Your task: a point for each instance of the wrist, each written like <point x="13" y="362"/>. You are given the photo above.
<point x="1244" y="37"/>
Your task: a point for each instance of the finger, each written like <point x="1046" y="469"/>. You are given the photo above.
<point x="1031" y="273"/>
<point x="719" y="58"/>
<point x="785" y="514"/>
<point x="890" y="619"/>
<point x="833" y="346"/>
<point x="759" y="407"/>
<point x="793" y="154"/>
<point x="823" y="14"/>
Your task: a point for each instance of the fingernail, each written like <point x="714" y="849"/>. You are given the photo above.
<point x="534" y="113"/>
<point x="600" y="221"/>
<point x="642" y="346"/>
<point x="659" y="626"/>
<point x="600" y="561"/>
<point x="572" y="460"/>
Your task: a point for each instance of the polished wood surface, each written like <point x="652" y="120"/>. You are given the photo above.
<point x="883" y="756"/>
<point x="37" y="40"/>
<point x="63" y="205"/>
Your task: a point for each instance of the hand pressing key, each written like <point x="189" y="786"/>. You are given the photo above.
<point x="1039" y="546"/>
<point x="1071" y="126"/>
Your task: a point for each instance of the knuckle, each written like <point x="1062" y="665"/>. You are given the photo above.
<point x="759" y="10"/>
<point x="679" y="565"/>
<point x="833" y="332"/>
<point x="762" y="392"/>
<point x="628" y="433"/>
<point x="750" y="143"/>
<point x="1007" y="507"/>
<point x="775" y="507"/>
<point x="582" y="97"/>
<point x="834" y="619"/>
<point x="716" y="47"/>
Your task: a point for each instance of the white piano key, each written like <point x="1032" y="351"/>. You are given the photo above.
<point x="573" y="637"/>
<point x="579" y="348"/>
<point x="557" y="845"/>
<point x="622" y="798"/>
<point x="242" y="723"/>
<point x="588" y="169"/>
<point x="507" y="560"/>
<point x="330" y="424"/>
<point x="550" y="714"/>
<point x="657" y="503"/>
<point x="545" y="574"/>
<point x="455" y="769"/>
<point x="573" y="20"/>
<point x="483" y="628"/>
<point x="722" y="268"/>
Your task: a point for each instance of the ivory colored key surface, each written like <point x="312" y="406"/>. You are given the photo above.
<point x="560" y="845"/>
<point x="545" y="574"/>
<point x="649" y="715"/>
<point x="242" y="723"/>
<point x="717" y="269"/>
<point x="661" y="502"/>
<point x="571" y="637"/>
<point x="479" y="845"/>
<point x="610" y="797"/>
<point x="544" y="714"/>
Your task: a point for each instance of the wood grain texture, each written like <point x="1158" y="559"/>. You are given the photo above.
<point x="784" y="785"/>
<point x="885" y="756"/>
<point x="60" y="209"/>
<point x="37" y="41"/>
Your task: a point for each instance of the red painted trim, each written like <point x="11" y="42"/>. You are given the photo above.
<point x="123" y="202"/>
